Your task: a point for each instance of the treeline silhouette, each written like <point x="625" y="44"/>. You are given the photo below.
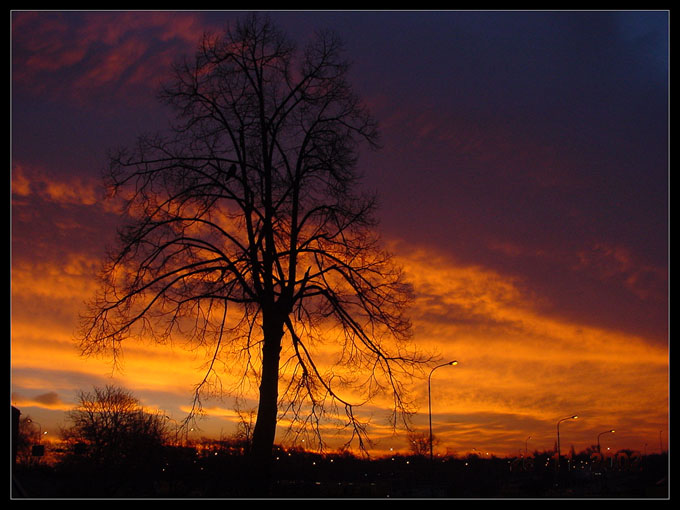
<point x="114" y="449"/>
<point x="221" y="470"/>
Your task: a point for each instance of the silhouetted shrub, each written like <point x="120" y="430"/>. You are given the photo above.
<point x="111" y="429"/>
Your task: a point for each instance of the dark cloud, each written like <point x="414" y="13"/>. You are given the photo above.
<point x="48" y="399"/>
<point x="545" y="131"/>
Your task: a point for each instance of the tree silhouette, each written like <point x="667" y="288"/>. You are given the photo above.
<point x="111" y="422"/>
<point x="249" y="238"/>
<point x="419" y="443"/>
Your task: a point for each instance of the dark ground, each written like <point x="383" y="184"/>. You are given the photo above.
<point x="186" y="473"/>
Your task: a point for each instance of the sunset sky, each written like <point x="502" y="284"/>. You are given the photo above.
<point x="523" y="186"/>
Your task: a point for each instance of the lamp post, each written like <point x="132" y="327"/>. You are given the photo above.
<point x="40" y="432"/>
<point x="38" y="450"/>
<point x="598" y="438"/>
<point x="429" y="398"/>
<point x="558" y="439"/>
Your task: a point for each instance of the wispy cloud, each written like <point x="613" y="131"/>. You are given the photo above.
<point x="98" y="51"/>
<point x="616" y="263"/>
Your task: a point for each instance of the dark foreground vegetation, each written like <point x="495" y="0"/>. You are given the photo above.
<point x="219" y="470"/>
<point x="114" y="449"/>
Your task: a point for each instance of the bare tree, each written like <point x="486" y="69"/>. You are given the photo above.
<point x="419" y="443"/>
<point x="249" y="238"/>
<point x="114" y="426"/>
<point x="246" y="424"/>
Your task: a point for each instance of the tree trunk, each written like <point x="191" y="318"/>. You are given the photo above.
<point x="265" y="425"/>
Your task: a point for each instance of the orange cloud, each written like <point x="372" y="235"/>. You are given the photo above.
<point x="520" y="370"/>
<point x="35" y="181"/>
<point x="218" y="412"/>
<point x="28" y="182"/>
<point x="515" y="361"/>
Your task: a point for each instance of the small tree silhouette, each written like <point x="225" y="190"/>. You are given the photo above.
<point x="115" y="428"/>
<point x="419" y="443"/>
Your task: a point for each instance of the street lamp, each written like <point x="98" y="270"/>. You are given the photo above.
<point x="574" y="417"/>
<point x="598" y="438"/>
<point x="40" y="432"/>
<point x="429" y="398"/>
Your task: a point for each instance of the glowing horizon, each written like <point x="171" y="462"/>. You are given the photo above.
<point x="518" y="370"/>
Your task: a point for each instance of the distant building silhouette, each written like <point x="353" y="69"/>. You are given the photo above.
<point x="16" y="414"/>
